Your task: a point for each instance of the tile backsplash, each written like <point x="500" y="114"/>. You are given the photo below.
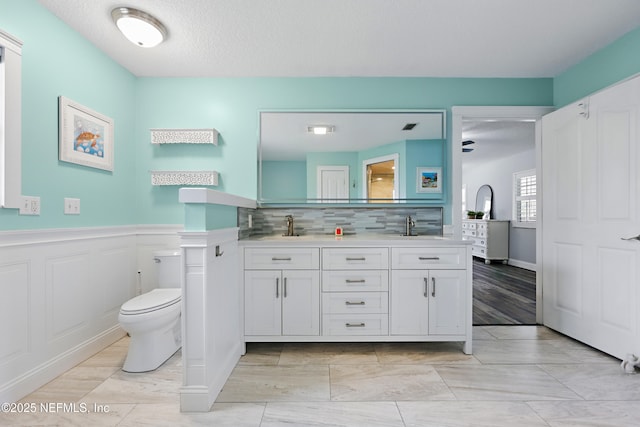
<point x="359" y="220"/>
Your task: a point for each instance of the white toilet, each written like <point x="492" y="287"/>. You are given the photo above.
<point x="153" y="319"/>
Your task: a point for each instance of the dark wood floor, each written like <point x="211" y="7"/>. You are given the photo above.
<point x="503" y="294"/>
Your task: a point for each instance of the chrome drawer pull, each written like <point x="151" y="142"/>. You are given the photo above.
<point x="354" y="280"/>
<point x="356" y="259"/>
<point x="354" y="302"/>
<point x="277" y="287"/>
<point x="284" y="293"/>
<point x="355" y="325"/>
<point x="281" y="259"/>
<point x="426" y="288"/>
<point x="433" y="293"/>
<point x="429" y="258"/>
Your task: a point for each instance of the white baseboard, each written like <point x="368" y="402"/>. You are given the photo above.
<point x="522" y="264"/>
<point x="201" y="398"/>
<point x="42" y="374"/>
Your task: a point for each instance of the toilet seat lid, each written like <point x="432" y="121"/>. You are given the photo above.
<point x="151" y="301"/>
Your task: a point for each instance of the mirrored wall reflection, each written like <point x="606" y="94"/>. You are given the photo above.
<point x="298" y="164"/>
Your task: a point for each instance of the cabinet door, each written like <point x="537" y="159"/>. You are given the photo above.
<point x="262" y="302"/>
<point x="447" y="301"/>
<point x="300" y="302"/>
<point x="409" y="302"/>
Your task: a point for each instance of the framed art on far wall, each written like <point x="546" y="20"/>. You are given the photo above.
<point x="429" y="180"/>
<point x="86" y="136"/>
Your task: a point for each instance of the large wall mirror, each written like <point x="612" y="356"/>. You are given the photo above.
<point x="348" y="156"/>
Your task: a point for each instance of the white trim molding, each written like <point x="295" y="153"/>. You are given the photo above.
<point x="10" y="121"/>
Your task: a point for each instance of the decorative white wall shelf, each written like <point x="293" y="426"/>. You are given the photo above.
<point x="184" y="136"/>
<point x="184" y="178"/>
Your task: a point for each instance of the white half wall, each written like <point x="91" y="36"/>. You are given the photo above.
<point x="212" y="301"/>
<point x="61" y="293"/>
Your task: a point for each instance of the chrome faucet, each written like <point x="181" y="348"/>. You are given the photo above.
<point x="289" y="219"/>
<point x="408" y="226"/>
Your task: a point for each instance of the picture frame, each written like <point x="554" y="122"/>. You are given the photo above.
<point x="85" y="136"/>
<point x="428" y="180"/>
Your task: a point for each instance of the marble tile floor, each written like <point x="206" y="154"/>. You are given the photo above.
<point x="518" y="376"/>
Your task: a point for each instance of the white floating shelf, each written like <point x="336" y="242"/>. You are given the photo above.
<point x="184" y="178"/>
<point x="184" y="136"/>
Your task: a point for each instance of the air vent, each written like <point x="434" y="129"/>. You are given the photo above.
<point x="409" y="126"/>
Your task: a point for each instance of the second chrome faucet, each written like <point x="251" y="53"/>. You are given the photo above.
<point x="289" y="220"/>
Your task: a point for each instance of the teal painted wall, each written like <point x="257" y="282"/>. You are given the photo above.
<point x="425" y="153"/>
<point x="57" y="61"/>
<point x="284" y="180"/>
<point x="609" y="65"/>
<point x="51" y="54"/>
<point x="232" y="106"/>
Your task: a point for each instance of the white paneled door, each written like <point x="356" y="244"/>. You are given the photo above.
<point x="591" y="202"/>
<point x="333" y="183"/>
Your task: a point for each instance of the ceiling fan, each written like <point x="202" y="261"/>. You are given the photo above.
<point x="464" y="146"/>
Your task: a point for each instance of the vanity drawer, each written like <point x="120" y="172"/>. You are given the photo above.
<point x="355" y="258"/>
<point x="428" y="258"/>
<point x="355" y="324"/>
<point x="355" y="302"/>
<point x="281" y="258"/>
<point x="355" y="280"/>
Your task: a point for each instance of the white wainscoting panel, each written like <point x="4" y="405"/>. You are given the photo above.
<point x="14" y="304"/>
<point x="61" y="293"/>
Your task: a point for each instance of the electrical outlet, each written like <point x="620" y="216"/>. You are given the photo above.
<point x="71" y="206"/>
<point x="30" y="205"/>
<point x="250" y="220"/>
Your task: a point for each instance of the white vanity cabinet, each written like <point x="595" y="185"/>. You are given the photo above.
<point x="282" y="292"/>
<point x="357" y="289"/>
<point x="355" y="297"/>
<point x="428" y="291"/>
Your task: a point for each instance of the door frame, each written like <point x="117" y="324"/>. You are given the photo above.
<point x="460" y="113"/>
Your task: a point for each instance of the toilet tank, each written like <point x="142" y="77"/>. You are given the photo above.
<point x="167" y="264"/>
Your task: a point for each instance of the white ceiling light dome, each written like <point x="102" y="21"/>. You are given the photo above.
<point x="139" y="27"/>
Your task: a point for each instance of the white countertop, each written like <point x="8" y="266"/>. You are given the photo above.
<point x="353" y="240"/>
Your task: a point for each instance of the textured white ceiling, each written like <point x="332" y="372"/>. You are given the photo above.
<point x="430" y="38"/>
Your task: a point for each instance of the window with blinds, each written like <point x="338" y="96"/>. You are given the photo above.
<point x="524" y="198"/>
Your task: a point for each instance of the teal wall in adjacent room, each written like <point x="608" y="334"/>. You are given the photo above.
<point x="57" y="61"/>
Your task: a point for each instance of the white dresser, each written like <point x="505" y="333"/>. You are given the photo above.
<point x="490" y="238"/>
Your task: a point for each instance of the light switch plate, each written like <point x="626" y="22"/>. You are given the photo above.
<point x="30" y="205"/>
<point x="71" y="206"/>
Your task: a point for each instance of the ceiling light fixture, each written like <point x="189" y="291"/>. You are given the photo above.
<point x="320" y="129"/>
<point x="139" y="27"/>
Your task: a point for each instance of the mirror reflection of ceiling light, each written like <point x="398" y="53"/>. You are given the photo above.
<point x="139" y="27"/>
<point x="320" y="129"/>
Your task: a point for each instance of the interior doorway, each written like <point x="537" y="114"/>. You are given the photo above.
<point x="380" y="177"/>
<point x="485" y="115"/>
